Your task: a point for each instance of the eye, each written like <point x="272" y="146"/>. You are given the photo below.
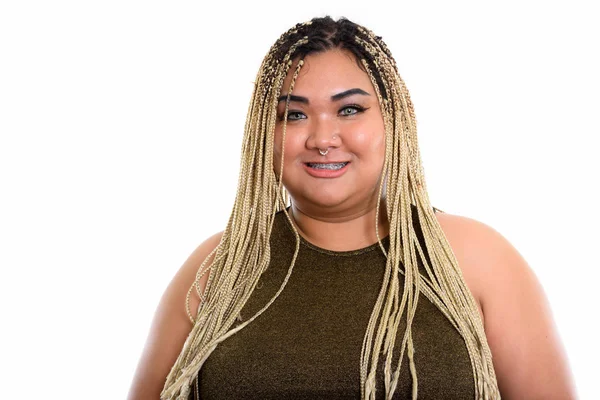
<point x="293" y="116"/>
<point x="351" y="110"/>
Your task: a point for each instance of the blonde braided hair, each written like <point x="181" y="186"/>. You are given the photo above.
<point x="244" y="251"/>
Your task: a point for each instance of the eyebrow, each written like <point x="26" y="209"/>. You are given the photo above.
<point x="335" y="97"/>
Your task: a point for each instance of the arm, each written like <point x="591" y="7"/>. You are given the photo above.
<point x="170" y="326"/>
<point x="527" y="353"/>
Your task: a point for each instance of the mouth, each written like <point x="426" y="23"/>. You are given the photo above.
<point x="326" y="170"/>
<point x="331" y="166"/>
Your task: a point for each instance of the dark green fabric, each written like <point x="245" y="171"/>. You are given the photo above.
<point x="307" y="344"/>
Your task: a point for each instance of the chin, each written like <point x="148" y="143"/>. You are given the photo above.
<point x="325" y="199"/>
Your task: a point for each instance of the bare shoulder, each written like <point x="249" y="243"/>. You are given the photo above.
<point x="462" y="233"/>
<point x="478" y="248"/>
<point x="528" y="355"/>
<point x="193" y="263"/>
<point x="171" y="325"/>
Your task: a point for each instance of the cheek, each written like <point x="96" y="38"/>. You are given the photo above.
<point x="295" y="141"/>
<point x="378" y="138"/>
<point x="294" y="146"/>
<point x="369" y="142"/>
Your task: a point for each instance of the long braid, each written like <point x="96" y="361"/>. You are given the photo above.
<point x="451" y="294"/>
<point x="244" y="251"/>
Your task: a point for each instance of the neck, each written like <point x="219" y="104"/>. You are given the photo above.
<point x="351" y="230"/>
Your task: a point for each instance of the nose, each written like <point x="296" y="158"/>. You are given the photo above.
<point x="324" y="134"/>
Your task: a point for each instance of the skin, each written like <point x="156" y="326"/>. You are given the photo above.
<point x="528" y="356"/>
<point x="333" y="213"/>
<point x="338" y="214"/>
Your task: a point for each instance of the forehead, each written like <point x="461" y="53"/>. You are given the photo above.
<point x="327" y="73"/>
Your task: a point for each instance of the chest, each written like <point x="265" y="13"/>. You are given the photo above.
<point x="308" y="342"/>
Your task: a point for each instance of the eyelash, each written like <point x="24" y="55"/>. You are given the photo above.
<point x="358" y="109"/>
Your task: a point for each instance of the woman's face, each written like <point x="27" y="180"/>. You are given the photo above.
<point x="333" y="108"/>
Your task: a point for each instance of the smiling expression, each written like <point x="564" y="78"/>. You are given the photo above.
<point x="333" y="108"/>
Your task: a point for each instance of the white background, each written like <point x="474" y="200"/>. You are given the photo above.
<point x="121" y="126"/>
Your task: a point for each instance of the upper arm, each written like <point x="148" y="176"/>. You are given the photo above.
<point x="170" y="325"/>
<point x="527" y="353"/>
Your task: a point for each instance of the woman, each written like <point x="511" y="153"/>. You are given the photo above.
<point x="358" y="288"/>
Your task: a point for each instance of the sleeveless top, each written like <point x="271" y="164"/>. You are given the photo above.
<point x="307" y="343"/>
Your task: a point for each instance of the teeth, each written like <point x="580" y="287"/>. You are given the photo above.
<point x="331" y="166"/>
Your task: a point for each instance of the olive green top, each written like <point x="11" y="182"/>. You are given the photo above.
<point x="307" y="344"/>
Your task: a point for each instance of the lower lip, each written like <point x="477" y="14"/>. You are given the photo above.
<point x="326" y="173"/>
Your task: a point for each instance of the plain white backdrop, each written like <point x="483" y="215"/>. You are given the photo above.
<point x="121" y="126"/>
